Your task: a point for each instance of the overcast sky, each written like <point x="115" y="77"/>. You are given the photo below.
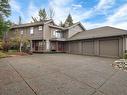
<point x="91" y="13"/>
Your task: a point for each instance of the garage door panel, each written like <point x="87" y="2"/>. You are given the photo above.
<point x="75" y="47"/>
<point x="109" y="48"/>
<point x="88" y="47"/>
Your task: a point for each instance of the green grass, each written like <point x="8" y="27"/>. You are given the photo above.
<point x="11" y="52"/>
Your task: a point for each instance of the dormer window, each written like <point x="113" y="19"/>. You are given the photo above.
<point x="40" y="28"/>
<point x="31" y="30"/>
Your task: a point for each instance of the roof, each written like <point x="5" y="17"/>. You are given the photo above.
<point x="55" y="26"/>
<point x="106" y="31"/>
<point x="78" y="23"/>
<point x="32" y="24"/>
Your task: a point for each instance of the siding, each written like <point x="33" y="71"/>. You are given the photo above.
<point x="37" y="35"/>
<point x="74" y="30"/>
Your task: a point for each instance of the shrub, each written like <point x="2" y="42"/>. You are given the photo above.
<point x="2" y="55"/>
<point x="1" y="45"/>
<point x="125" y="56"/>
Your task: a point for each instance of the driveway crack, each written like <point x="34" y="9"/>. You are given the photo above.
<point x="22" y="78"/>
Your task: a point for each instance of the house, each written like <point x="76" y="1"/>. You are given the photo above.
<point x="47" y="36"/>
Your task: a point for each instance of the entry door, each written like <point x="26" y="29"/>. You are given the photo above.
<point x="36" y="45"/>
<point x="61" y="46"/>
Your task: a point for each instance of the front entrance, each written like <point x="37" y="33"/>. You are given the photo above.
<point x="38" y="45"/>
<point x="57" y="46"/>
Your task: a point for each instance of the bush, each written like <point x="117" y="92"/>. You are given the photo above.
<point x="125" y="56"/>
<point x="1" y="44"/>
<point x="3" y="55"/>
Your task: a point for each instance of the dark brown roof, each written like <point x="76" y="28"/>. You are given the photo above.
<point x="31" y="24"/>
<point x="106" y="31"/>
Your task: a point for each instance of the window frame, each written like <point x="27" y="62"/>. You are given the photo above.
<point x="31" y="30"/>
<point x="39" y="28"/>
<point x="21" y="32"/>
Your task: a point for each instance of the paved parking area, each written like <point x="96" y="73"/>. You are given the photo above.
<point x="61" y="74"/>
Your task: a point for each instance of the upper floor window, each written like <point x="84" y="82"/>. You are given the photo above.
<point x="31" y="30"/>
<point x="57" y="34"/>
<point x="40" y="28"/>
<point x="21" y="32"/>
<point x="54" y="33"/>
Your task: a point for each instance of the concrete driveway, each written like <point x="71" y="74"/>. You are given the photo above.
<point x="61" y="74"/>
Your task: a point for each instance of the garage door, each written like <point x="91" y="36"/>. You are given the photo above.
<point x="109" y="48"/>
<point x="75" y="47"/>
<point x="88" y="47"/>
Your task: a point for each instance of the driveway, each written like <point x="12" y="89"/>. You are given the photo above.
<point x="61" y="74"/>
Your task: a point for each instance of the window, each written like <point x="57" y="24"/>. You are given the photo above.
<point x="31" y="30"/>
<point x="54" y="33"/>
<point x="22" y="32"/>
<point x="40" y="28"/>
<point x="57" y="34"/>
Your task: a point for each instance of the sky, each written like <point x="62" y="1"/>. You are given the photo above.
<point x="91" y="13"/>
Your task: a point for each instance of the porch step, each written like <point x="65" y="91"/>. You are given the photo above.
<point x="49" y="52"/>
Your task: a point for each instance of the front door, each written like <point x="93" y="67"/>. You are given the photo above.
<point x="61" y="46"/>
<point x="36" y="45"/>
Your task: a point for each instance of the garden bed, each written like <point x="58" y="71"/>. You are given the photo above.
<point x="12" y="54"/>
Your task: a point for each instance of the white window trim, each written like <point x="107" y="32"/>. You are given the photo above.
<point x="40" y="28"/>
<point x="21" y="32"/>
<point x="57" y="34"/>
<point x="31" y="30"/>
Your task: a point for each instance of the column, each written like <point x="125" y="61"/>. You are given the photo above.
<point x="47" y="45"/>
<point x="31" y="45"/>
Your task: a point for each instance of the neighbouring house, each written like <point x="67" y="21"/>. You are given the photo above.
<point x="47" y="36"/>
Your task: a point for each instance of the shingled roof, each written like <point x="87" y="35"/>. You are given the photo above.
<point x="106" y="31"/>
<point x="32" y="24"/>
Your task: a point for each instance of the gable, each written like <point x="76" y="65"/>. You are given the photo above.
<point x="76" y="29"/>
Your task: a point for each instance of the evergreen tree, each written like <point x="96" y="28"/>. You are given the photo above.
<point x="68" y="21"/>
<point x="5" y="11"/>
<point x="61" y="24"/>
<point x="42" y="14"/>
<point x="20" y="20"/>
<point x="4" y="8"/>
<point x="34" y="19"/>
<point x="51" y="13"/>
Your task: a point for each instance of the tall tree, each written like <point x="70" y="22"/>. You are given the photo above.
<point x="4" y="27"/>
<point x="20" y="20"/>
<point x="51" y="13"/>
<point x="68" y="21"/>
<point x="4" y="8"/>
<point x="61" y="24"/>
<point x="34" y="19"/>
<point x="42" y="14"/>
<point x="5" y="11"/>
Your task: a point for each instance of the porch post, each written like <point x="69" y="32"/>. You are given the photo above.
<point x="47" y="45"/>
<point x="31" y="45"/>
<point x="57" y="46"/>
